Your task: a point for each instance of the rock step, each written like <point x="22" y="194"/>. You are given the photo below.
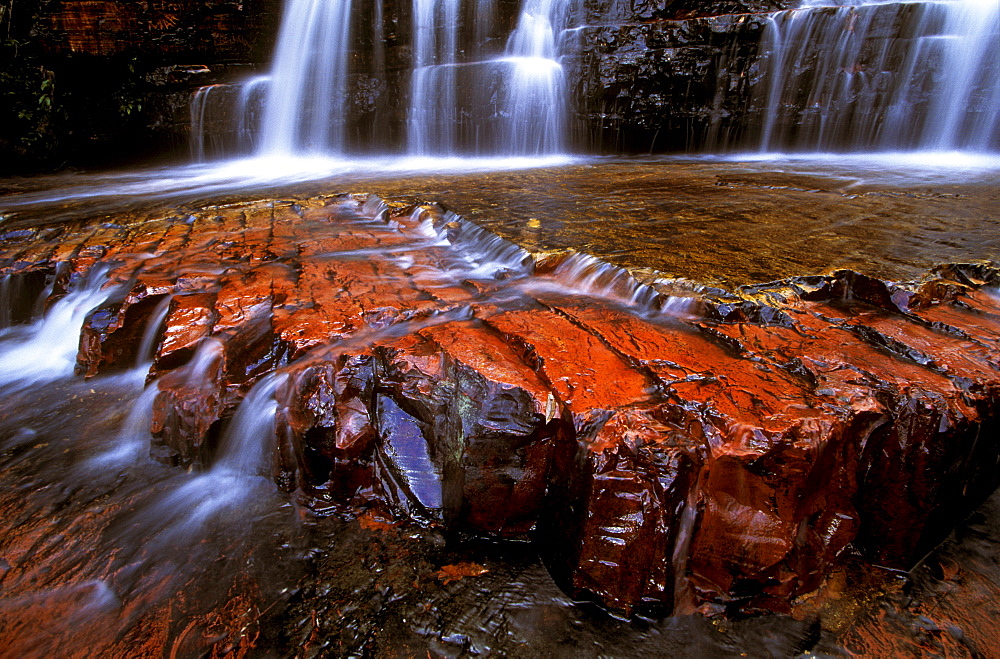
<point x="723" y="459"/>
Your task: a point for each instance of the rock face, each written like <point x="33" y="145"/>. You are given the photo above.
<point x="717" y="458"/>
<point x="89" y="79"/>
<point x="645" y="76"/>
<point x="665" y="85"/>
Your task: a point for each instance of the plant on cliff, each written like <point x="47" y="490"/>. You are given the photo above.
<point x="30" y="108"/>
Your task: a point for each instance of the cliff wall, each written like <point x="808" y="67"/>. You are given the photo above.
<point x="100" y="82"/>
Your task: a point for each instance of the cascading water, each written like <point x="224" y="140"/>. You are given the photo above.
<point x="306" y="100"/>
<point x="47" y="348"/>
<point x="512" y="103"/>
<point x="247" y="445"/>
<point x="432" y="116"/>
<point x="535" y="98"/>
<point x="882" y="76"/>
<point x="469" y="88"/>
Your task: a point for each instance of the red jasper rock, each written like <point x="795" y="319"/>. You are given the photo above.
<point x="716" y="462"/>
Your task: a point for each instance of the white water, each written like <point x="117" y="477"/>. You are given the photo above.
<point x="536" y="89"/>
<point x="133" y="440"/>
<point x="249" y="440"/>
<point x="883" y="76"/>
<point x="198" y="110"/>
<point x="46" y="349"/>
<point x="239" y="478"/>
<point x="463" y="94"/>
<point x="304" y="111"/>
<point x="151" y="335"/>
<point x="432" y="124"/>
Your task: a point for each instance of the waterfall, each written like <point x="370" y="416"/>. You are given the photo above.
<point x="535" y="104"/>
<point x="479" y="78"/>
<point x="305" y="106"/>
<point x="432" y="120"/>
<point x="198" y="109"/>
<point x="885" y="77"/>
<point x="511" y="103"/>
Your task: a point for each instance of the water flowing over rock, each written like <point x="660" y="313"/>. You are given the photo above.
<point x="363" y="353"/>
<point x="306" y="98"/>
<point x="881" y="76"/>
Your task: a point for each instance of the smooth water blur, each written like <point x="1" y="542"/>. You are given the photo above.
<point x="306" y="100"/>
<point x="46" y="349"/>
<point x="104" y="548"/>
<point x="880" y="76"/>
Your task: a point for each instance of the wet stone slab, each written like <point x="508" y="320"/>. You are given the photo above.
<point x="660" y="448"/>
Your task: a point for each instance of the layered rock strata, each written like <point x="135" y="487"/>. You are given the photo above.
<point x="714" y="450"/>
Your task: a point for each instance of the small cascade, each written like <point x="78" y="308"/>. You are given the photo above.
<point x="481" y="254"/>
<point x="206" y="358"/>
<point x="306" y="101"/>
<point x="249" y="440"/>
<point x="23" y="297"/>
<point x="250" y="103"/>
<point x="582" y="273"/>
<point x="240" y="477"/>
<point x="132" y="442"/>
<point x="46" y="349"/>
<point x="225" y="118"/>
<point x="199" y="106"/>
<point x="151" y="335"/>
<point x="882" y="76"/>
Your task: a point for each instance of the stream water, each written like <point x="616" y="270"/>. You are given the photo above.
<point x="106" y="550"/>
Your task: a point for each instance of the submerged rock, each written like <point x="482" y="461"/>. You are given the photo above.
<point x="718" y="460"/>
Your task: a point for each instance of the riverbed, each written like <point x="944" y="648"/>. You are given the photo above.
<point x="119" y="558"/>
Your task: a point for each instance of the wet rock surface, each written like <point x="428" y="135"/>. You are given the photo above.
<point x="717" y="452"/>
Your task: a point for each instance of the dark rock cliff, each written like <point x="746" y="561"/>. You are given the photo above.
<point x="102" y="82"/>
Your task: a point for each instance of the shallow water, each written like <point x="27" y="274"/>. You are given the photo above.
<point x="722" y="221"/>
<point x="104" y="551"/>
